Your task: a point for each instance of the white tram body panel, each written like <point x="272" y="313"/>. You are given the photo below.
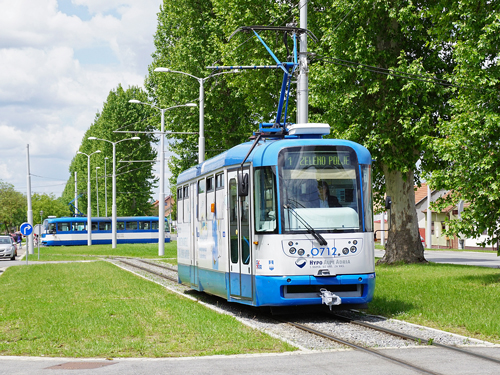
<point x="273" y="247"/>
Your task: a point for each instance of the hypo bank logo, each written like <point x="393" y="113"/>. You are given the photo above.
<point x="300" y="262"/>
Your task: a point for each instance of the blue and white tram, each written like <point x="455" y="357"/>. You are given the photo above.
<point x="67" y="231"/>
<point x="280" y="222"/>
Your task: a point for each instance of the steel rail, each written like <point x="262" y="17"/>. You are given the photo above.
<point x="157" y="265"/>
<point x="148" y="270"/>
<point x="359" y="347"/>
<point x="414" y="338"/>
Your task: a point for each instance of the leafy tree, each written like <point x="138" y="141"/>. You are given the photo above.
<point x="134" y="181"/>
<point x="377" y="81"/>
<point x="381" y="77"/>
<point x="13" y="211"/>
<point x="469" y="143"/>
<point x="187" y="39"/>
<point x="49" y="204"/>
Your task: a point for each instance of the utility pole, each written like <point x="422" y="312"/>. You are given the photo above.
<point x="29" y="239"/>
<point x="428" y="231"/>
<point x="76" y="196"/>
<point x="303" y="79"/>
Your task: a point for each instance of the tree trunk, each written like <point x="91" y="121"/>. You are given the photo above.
<point x="403" y="242"/>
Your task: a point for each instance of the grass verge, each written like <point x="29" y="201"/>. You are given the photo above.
<point x="459" y="299"/>
<point x="150" y="250"/>
<point x="98" y="310"/>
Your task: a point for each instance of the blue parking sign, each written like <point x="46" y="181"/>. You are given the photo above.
<point x="26" y="229"/>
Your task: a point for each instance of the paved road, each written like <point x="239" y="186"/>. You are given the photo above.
<point x="316" y="363"/>
<point x="467" y="258"/>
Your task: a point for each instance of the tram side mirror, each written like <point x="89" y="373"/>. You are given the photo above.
<point x="243" y="185"/>
<point x="388" y="203"/>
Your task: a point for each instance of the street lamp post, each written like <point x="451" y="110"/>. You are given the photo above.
<point x="201" y="81"/>
<point x="89" y="211"/>
<point x="113" y="208"/>
<point x="39" y="234"/>
<point x="105" y="187"/>
<point x="161" y="199"/>
<point x="97" y="189"/>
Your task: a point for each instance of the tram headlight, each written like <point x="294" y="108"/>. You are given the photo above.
<point x="290" y="243"/>
<point x="345" y="251"/>
<point x="292" y="250"/>
<point x="355" y="242"/>
<point x="301" y="252"/>
<point x="354" y="249"/>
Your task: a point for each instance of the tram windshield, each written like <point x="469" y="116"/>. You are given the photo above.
<point x="319" y="189"/>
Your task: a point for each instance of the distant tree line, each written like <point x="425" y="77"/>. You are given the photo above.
<point x="13" y="207"/>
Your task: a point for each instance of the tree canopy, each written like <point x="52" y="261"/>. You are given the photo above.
<point x="467" y="150"/>
<point x="134" y="180"/>
<point x="12" y="207"/>
<point x="416" y="82"/>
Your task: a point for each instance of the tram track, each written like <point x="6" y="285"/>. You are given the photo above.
<point x="132" y="262"/>
<point x="380" y="354"/>
<point x="361" y="348"/>
<point x="148" y="270"/>
<point x="413" y="338"/>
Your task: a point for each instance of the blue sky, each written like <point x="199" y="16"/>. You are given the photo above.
<point x="58" y="61"/>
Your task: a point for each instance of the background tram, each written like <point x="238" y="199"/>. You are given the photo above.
<point x="67" y="231"/>
<point x="281" y="221"/>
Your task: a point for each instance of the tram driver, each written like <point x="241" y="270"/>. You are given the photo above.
<point x="325" y="199"/>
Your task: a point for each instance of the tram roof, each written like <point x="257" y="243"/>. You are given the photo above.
<point x="266" y="153"/>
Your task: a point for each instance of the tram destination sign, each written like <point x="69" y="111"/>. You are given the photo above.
<point x="321" y="159"/>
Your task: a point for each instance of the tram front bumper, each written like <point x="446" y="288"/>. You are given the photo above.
<point x="306" y="290"/>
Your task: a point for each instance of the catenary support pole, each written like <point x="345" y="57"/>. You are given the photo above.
<point x="29" y="240"/>
<point x="303" y="79"/>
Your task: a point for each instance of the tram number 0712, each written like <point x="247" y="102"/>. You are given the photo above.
<point x="324" y="251"/>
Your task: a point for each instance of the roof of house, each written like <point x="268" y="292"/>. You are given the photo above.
<point x="420" y="193"/>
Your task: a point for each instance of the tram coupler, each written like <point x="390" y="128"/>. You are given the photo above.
<point x="329" y="299"/>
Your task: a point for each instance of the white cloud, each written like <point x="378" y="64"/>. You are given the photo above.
<point x="48" y="98"/>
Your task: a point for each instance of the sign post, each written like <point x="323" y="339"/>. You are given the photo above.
<point x="38" y="232"/>
<point x="26" y="229"/>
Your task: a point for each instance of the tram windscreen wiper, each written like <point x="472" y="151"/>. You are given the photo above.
<point x="309" y="228"/>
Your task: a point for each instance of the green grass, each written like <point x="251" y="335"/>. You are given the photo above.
<point x="460" y="299"/>
<point x="54" y="253"/>
<point x="98" y="310"/>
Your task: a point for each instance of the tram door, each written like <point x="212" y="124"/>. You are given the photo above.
<point x="240" y="269"/>
<point x="193" y="249"/>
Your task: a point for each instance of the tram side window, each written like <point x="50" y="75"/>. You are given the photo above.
<point x="104" y="225"/>
<point x="186" y="204"/>
<point x="201" y="213"/>
<point x="95" y="226"/>
<point x="61" y="227"/>
<point x="131" y="225"/>
<point x="120" y="225"/>
<point x="144" y="225"/>
<point x="154" y="225"/>
<point x="210" y="198"/>
<point x="265" y="200"/>
<point x="366" y="175"/>
<point x="78" y="227"/>
<point x="219" y="181"/>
